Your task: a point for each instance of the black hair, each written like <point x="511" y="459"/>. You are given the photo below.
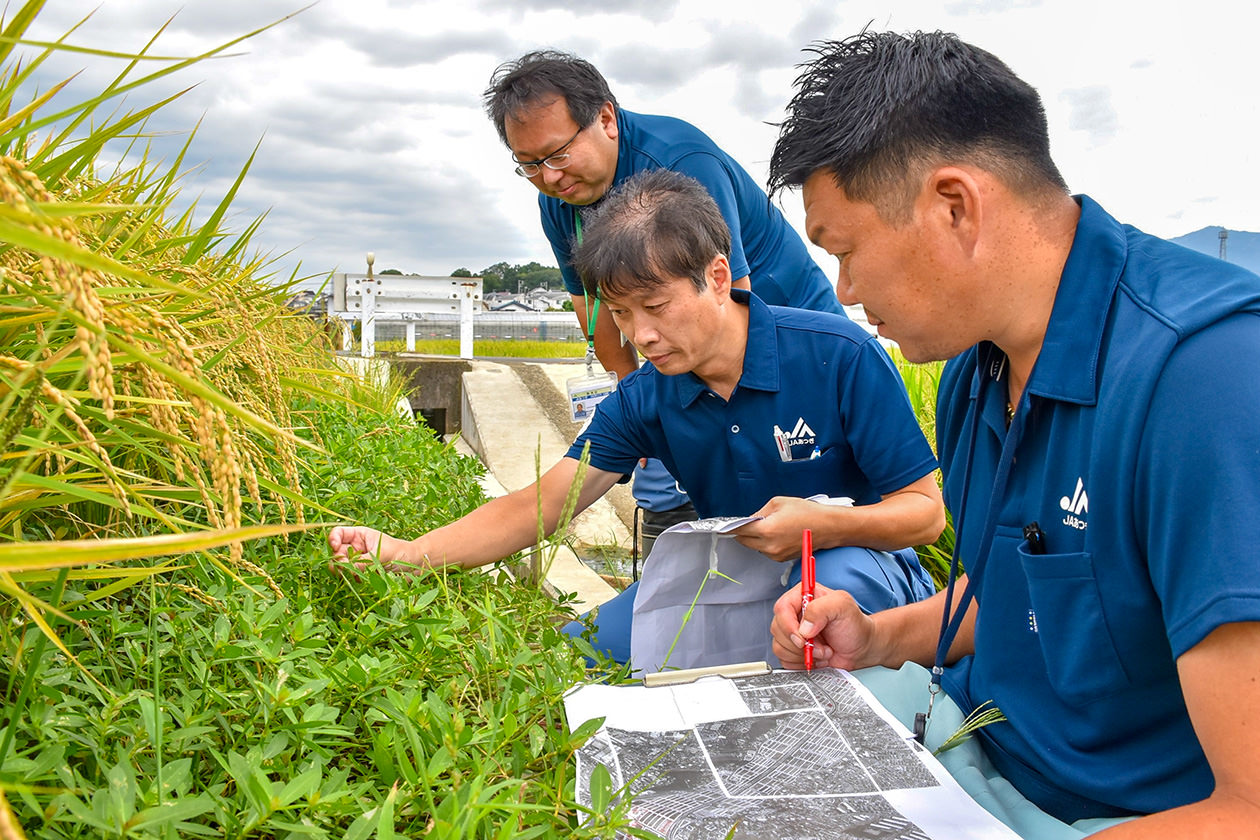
<point x="541" y="75"/>
<point x="874" y="109"/>
<point x="657" y="225"/>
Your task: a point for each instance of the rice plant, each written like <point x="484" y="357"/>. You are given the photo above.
<point x="145" y="365"/>
<point x="922" y="382"/>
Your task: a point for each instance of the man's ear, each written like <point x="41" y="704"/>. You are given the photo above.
<point x="719" y="274"/>
<point x="955" y="205"/>
<point x="608" y="120"/>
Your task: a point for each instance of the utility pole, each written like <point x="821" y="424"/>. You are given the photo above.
<point x="367" y="314"/>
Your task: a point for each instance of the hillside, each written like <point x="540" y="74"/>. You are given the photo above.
<point x="1242" y="247"/>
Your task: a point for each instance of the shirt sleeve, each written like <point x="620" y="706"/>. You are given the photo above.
<point x="613" y="432"/>
<point x="716" y="178"/>
<point x="887" y="443"/>
<point x="1197" y="483"/>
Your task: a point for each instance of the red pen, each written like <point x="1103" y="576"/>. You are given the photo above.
<point x="807" y="588"/>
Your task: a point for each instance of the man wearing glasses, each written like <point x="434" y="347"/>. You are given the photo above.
<point x="572" y="141"/>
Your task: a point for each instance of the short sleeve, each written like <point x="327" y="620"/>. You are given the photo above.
<point x="879" y="423"/>
<point x="1197" y="482"/>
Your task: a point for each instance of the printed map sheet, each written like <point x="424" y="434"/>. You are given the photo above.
<point x="784" y="755"/>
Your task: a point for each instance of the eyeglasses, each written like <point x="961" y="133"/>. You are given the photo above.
<point x="558" y="159"/>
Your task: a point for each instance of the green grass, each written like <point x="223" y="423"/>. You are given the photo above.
<point x="381" y="706"/>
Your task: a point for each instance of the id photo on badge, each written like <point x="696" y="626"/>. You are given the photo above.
<point x="586" y="392"/>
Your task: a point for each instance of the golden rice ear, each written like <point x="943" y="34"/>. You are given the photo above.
<point x="23" y="191"/>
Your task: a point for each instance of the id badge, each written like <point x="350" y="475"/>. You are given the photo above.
<point x="586" y="392"/>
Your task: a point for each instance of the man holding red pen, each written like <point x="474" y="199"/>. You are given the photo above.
<point x="1099" y="452"/>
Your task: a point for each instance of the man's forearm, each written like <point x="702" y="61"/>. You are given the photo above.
<point x="887" y="525"/>
<point x="1215" y="818"/>
<point x="913" y="515"/>
<point x="911" y="633"/>
<point x="508" y="524"/>
<point x="497" y="529"/>
<point x="616" y="356"/>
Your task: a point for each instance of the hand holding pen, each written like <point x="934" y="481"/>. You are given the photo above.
<point x="807" y="589"/>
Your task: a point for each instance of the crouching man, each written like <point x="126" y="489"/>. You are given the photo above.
<point x="723" y="371"/>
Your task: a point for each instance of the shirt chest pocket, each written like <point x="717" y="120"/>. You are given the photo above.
<point x="809" y="476"/>
<point x="1077" y="643"/>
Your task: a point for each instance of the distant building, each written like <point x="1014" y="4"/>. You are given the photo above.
<point x="514" y="306"/>
<point x="542" y="300"/>
<point x="495" y="299"/>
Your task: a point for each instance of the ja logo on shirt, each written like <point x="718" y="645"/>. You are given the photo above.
<point x="801" y="433"/>
<point x="1076" y="505"/>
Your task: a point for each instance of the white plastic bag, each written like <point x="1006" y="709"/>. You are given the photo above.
<point x="730" y="621"/>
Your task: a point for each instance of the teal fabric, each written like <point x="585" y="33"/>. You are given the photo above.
<point x="905" y="692"/>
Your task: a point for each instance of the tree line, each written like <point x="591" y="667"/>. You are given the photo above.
<point x="502" y="277"/>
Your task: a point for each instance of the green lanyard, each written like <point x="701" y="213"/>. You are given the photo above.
<point x="592" y="313"/>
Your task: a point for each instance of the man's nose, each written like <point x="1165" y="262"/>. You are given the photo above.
<point x="550" y="176"/>
<point x="642" y="333"/>
<point x="845" y="295"/>
<point x="844" y="292"/>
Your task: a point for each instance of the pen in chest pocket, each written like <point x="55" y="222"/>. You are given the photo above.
<point x="781" y="443"/>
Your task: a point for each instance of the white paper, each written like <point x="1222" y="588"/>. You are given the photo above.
<point x="636" y="708"/>
<point x="797" y="755"/>
<point x="728" y="620"/>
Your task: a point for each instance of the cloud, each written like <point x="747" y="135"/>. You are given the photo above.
<point x="989" y="7"/>
<point x="392" y="49"/>
<point x="651" y="9"/>
<point x="820" y="22"/>
<point x="373" y="136"/>
<point x="652" y="69"/>
<point x="1090" y="111"/>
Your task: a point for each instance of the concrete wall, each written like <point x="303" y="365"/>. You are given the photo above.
<point x="435" y="389"/>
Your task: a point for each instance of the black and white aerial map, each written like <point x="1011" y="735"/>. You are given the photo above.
<point x="783" y="755"/>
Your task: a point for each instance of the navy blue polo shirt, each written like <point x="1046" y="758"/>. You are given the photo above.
<point x="763" y="244"/>
<point x="1139" y="458"/>
<point x="818" y="377"/>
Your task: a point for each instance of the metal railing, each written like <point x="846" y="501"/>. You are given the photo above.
<point x="405" y="300"/>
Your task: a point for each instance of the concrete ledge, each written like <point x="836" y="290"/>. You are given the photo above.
<point x="513" y="438"/>
<point x="567" y="574"/>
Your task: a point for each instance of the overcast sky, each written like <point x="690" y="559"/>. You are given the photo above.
<point x="373" y="138"/>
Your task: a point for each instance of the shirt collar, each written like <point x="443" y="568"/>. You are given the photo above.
<point x="1067" y="366"/>
<point x="625" y="154"/>
<point x="761" y="352"/>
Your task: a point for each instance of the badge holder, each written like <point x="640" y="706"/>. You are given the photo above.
<point x="587" y="391"/>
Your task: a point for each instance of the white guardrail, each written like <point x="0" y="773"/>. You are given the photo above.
<point x="402" y="299"/>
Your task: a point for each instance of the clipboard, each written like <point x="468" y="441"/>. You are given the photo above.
<point x="683" y="676"/>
